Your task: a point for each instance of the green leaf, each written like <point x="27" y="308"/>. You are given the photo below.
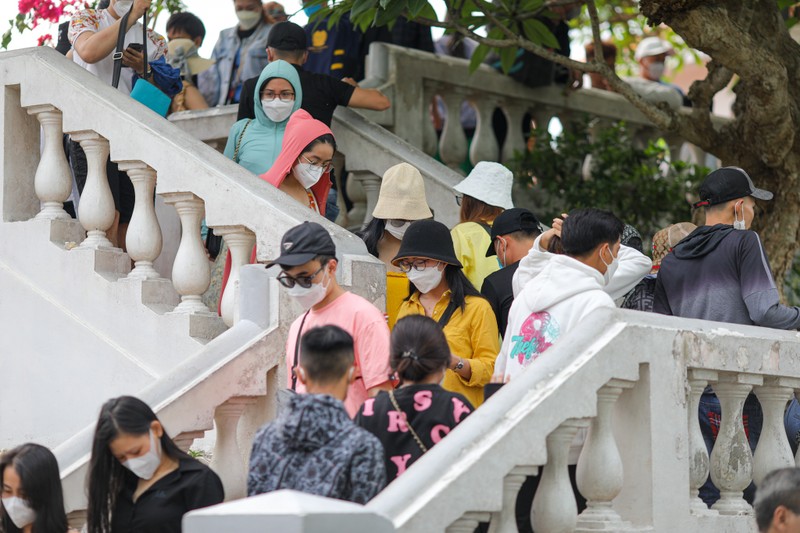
<point x="385" y="16"/>
<point x="360" y="7"/>
<point x="468" y="8"/>
<point x="478" y="56"/>
<point x="415" y="7"/>
<point x="531" y="5"/>
<point x="507" y="58"/>
<point x="364" y="20"/>
<point x="536" y="31"/>
<point x="428" y="13"/>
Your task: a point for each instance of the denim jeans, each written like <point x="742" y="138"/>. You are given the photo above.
<point x="710" y="417"/>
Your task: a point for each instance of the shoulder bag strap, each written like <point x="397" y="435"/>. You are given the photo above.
<point x="239" y="142"/>
<point x="485" y="226"/>
<point x="123" y="29"/>
<point x="408" y="425"/>
<point x="297" y="351"/>
<point x="448" y="313"/>
<point x="145" y="59"/>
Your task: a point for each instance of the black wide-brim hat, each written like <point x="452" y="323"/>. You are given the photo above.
<point x="428" y="239"/>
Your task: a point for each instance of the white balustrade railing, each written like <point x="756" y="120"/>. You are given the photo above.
<point x="635" y="380"/>
<point x="415" y="77"/>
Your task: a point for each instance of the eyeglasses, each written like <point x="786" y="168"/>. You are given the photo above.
<point x="459" y="197"/>
<point x="419" y="264"/>
<point x="285" y="96"/>
<point x="325" y="166"/>
<point x="304" y="281"/>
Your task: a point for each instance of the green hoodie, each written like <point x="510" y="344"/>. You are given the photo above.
<point x="262" y="141"/>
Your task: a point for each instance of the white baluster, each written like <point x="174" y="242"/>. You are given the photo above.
<point x="96" y="210"/>
<point x="731" y="458"/>
<point x="240" y="241"/>
<point x="143" y="240"/>
<point x="698" y="454"/>
<point x="484" y="145"/>
<point x="599" y="472"/>
<point x="53" y="181"/>
<point x="468" y="523"/>
<point x="371" y="184"/>
<point x="505" y="521"/>
<point x="430" y="142"/>
<point x="453" y="144"/>
<point x="515" y="141"/>
<point x="185" y="440"/>
<point x="227" y="460"/>
<point x="554" y="508"/>
<point x="191" y="271"/>
<point x="773" y="450"/>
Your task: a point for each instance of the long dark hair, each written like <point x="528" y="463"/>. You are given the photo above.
<point x="460" y="286"/>
<point x="418" y="348"/>
<point x="372" y="233"/>
<point x="107" y="476"/>
<point x="37" y="469"/>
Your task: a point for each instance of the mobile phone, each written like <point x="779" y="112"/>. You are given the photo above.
<point x="136" y="46"/>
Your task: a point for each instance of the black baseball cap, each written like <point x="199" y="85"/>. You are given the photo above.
<point x="511" y="220"/>
<point x="303" y="243"/>
<point x="287" y="36"/>
<point x="728" y="183"/>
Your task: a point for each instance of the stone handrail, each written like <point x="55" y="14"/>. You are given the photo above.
<point x="414" y="78"/>
<point x="369" y="151"/>
<point x="634" y="380"/>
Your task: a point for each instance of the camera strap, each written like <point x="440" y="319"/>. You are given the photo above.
<point x="123" y="29"/>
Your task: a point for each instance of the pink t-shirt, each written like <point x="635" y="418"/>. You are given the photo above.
<point x="370" y="334"/>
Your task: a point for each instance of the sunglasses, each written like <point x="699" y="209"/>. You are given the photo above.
<point x="304" y="281"/>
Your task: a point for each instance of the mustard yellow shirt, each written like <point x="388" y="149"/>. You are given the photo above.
<point x="471" y="334"/>
<point x="471" y="240"/>
<point x="396" y="292"/>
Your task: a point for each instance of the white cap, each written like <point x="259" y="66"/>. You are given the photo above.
<point x="652" y="46"/>
<point x="490" y="183"/>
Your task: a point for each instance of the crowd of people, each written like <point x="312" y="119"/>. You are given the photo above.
<point x="369" y="391"/>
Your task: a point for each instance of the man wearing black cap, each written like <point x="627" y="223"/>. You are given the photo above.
<point x="513" y="234"/>
<point x="720" y="272"/>
<point x="308" y="263"/>
<point x="321" y="93"/>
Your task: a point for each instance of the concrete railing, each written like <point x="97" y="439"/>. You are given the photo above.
<point x="413" y="78"/>
<point x="634" y="380"/>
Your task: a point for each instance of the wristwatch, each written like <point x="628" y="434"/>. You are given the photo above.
<point x="459" y="365"/>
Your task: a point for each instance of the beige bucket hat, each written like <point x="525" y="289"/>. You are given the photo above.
<point x="490" y="183"/>
<point x="183" y="55"/>
<point x="402" y="195"/>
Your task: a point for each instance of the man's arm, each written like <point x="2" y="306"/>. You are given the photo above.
<point x="632" y="267"/>
<point x="367" y="98"/>
<point x="367" y="469"/>
<point x="758" y="288"/>
<point x="96" y="46"/>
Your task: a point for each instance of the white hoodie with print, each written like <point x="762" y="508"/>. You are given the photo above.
<point x="563" y="293"/>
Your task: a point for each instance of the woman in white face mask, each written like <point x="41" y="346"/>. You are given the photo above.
<point x="32" y="501"/>
<point x="439" y="289"/>
<point x="149" y="480"/>
<point x="401" y="201"/>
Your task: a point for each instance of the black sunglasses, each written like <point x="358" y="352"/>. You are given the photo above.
<point x="304" y="281"/>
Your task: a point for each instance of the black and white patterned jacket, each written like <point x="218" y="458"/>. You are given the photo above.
<point x="314" y="447"/>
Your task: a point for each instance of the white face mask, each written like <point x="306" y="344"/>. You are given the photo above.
<point x="397" y="231"/>
<point x="738" y="224"/>
<point x="426" y="279"/>
<point x="277" y="110"/>
<point x="145" y="466"/>
<point x="655" y="70"/>
<point x="610" y="267"/>
<point x="307" y="174"/>
<point x="122" y="7"/>
<point x="249" y="19"/>
<point x="19" y="511"/>
<point x="311" y="296"/>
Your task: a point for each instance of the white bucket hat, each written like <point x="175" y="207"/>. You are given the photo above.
<point x="402" y="195"/>
<point x="490" y="183"/>
<point x="652" y="46"/>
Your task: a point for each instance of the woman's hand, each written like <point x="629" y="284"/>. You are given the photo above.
<point x="133" y="59"/>
<point x="139" y="8"/>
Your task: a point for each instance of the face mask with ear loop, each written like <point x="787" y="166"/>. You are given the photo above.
<point x="502" y="262"/>
<point x="738" y="224"/>
<point x="611" y="267"/>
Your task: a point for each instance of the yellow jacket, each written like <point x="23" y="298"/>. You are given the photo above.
<point x="471" y="334"/>
<point x="471" y="240"/>
<point x="396" y="291"/>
